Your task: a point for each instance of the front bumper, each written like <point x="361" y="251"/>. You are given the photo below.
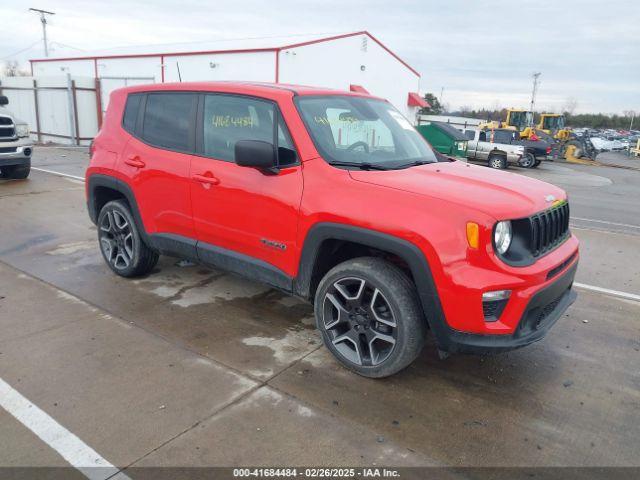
<point x="17" y="152"/>
<point x="542" y="311"/>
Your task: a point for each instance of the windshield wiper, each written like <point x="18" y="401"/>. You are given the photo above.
<point x="360" y="165"/>
<point x="415" y="163"/>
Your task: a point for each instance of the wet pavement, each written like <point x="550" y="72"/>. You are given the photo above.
<point x="194" y="367"/>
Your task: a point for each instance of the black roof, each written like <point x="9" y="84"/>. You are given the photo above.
<point x="451" y="131"/>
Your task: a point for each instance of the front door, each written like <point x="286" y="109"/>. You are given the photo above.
<point x="244" y="218"/>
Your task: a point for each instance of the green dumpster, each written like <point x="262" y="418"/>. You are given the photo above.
<point x="444" y="138"/>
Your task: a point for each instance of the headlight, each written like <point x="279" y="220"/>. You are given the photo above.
<point x="502" y="236"/>
<point x="22" y="130"/>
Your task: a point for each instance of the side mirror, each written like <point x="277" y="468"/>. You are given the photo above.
<point x="256" y="154"/>
<point x="3" y="100"/>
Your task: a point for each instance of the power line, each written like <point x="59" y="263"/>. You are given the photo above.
<point x="21" y="51"/>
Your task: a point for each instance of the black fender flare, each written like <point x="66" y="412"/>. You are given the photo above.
<point x="98" y="180"/>
<point x="404" y="249"/>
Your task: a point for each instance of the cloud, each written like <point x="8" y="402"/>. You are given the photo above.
<point x="479" y="52"/>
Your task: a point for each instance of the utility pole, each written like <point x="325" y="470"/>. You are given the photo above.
<point x="43" y="21"/>
<point x="535" y="76"/>
<point x="441" y="93"/>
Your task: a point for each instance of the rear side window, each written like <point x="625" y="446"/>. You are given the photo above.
<point x="131" y="112"/>
<point x="167" y="120"/>
<point x="470" y="134"/>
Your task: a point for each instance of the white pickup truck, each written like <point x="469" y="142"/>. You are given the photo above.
<point x="16" y="147"/>
<point x="482" y="147"/>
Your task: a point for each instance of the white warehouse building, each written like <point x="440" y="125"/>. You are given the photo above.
<point x="356" y="61"/>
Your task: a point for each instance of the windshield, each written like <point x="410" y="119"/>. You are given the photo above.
<point x="553" y="123"/>
<point x="362" y="132"/>
<point x="520" y="120"/>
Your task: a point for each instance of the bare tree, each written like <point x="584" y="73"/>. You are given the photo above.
<point x="12" y="69"/>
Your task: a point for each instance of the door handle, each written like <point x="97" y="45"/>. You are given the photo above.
<point x="206" y="178"/>
<point x="134" y="161"/>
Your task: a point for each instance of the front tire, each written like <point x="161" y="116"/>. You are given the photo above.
<point x="120" y="242"/>
<point x="16" y="172"/>
<point x="369" y="316"/>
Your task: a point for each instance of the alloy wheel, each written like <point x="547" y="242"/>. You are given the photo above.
<point x="116" y="240"/>
<point x="359" y="321"/>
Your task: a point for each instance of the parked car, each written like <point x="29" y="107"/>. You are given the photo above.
<point x="483" y="147"/>
<point x="535" y="150"/>
<point x="16" y="147"/>
<point x="335" y="198"/>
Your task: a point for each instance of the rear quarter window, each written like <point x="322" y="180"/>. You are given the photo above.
<point x="131" y="112"/>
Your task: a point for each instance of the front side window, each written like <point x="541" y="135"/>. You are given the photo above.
<point x="362" y="131"/>
<point x="167" y="120"/>
<point x="228" y="119"/>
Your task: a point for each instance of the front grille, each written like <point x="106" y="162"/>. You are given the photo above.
<point x="548" y="229"/>
<point x="7" y="132"/>
<point x="8" y="149"/>
<point x="6" y="121"/>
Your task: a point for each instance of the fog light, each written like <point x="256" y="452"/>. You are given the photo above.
<point x="493" y="304"/>
<point x="496" y="295"/>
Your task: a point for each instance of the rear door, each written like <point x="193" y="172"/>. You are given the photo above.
<point x="156" y="162"/>
<point x="243" y="216"/>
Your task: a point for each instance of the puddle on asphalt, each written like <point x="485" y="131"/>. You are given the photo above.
<point x="73" y="247"/>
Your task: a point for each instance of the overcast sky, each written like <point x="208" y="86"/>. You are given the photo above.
<point x="482" y="52"/>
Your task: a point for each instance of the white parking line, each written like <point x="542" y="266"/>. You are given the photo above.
<point x="607" y="291"/>
<point x="58" y="173"/>
<point x="605" y="222"/>
<point x="71" y="448"/>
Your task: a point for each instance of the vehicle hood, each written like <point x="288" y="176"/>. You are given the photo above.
<point x="501" y="195"/>
<point x="6" y="112"/>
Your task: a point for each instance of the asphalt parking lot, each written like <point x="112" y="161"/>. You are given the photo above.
<point x="194" y="367"/>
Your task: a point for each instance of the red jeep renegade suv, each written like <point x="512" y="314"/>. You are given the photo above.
<point x="334" y="197"/>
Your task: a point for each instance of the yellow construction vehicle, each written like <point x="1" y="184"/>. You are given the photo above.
<point x="551" y="128"/>
<point x="554" y="124"/>
<point x="518" y="120"/>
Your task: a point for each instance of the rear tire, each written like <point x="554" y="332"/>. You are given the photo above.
<point x="528" y="160"/>
<point x="497" y="161"/>
<point x="369" y="316"/>
<point x="120" y="242"/>
<point x="16" y="172"/>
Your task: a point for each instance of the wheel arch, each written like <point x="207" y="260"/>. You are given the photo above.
<point x="102" y="189"/>
<point x="325" y="233"/>
<point x="498" y="152"/>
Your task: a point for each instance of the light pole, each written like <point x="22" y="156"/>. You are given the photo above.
<point x="535" y="75"/>
<point x="43" y="20"/>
